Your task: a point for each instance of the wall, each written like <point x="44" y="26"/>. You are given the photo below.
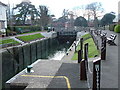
<point x="17" y="58"/>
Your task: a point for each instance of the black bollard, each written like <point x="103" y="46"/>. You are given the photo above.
<point x="83" y="74"/>
<point x="96" y="74"/>
<point x="79" y="56"/>
<point x="86" y="54"/>
<point x="103" y="49"/>
<point x="29" y="67"/>
<point x="81" y="47"/>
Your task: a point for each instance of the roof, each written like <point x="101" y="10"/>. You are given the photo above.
<point x="2" y="4"/>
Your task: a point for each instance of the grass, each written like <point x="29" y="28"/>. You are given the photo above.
<point x="92" y="49"/>
<point x="32" y="32"/>
<point x="7" y="41"/>
<point x="86" y="36"/>
<point x="30" y="37"/>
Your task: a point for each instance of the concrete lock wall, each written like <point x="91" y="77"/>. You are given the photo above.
<point x="17" y="58"/>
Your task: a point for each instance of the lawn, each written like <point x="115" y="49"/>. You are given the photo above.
<point x="86" y="36"/>
<point x="92" y="49"/>
<point x="7" y="41"/>
<point x="30" y="37"/>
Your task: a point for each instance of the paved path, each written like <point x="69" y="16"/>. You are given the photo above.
<point x="109" y="74"/>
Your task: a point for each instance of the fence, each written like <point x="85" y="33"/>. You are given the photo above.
<point x="92" y="76"/>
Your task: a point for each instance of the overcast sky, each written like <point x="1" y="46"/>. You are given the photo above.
<point x="56" y="6"/>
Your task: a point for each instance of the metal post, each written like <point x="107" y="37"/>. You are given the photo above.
<point x="30" y="55"/>
<point x="103" y="49"/>
<point x="81" y="43"/>
<point x="86" y="54"/>
<point x="83" y="75"/>
<point x="81" y="47"/>
<point x="96" y="74"/>
<point x="23" y="56"/>
<point x="36" y="51"/>
<point x="79" y="56"/>
<point x="84" y="64"/>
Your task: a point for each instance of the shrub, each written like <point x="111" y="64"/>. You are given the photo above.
<point x="117" y="28"/>
<point x="20" y="29"/>
<point x="111" y="27"/>
<point x="10" y="32"/>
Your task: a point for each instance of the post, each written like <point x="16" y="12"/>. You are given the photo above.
<point x="30" y="54"/>
<point x="96" y="74"/>
<point x="84" y="64"/>
<point x="79" y="56"/>
<point x="103" y="48"/>
<point x="81" y="43"/>
<point x="81" y="47"/>
<point x="83" y="74"/>
<point x="86" y="54"/>
<point x="36" y="51"/>
<point x="23" y="56"/>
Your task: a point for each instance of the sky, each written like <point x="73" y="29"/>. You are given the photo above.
<point x="56" y="6"/>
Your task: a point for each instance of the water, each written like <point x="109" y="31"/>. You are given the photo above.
<point x="58" y="50"/>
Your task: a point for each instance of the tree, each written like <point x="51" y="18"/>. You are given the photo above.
<point x="94" y="9"/>
<point x="24" y="9"/>
<point x="80" y="21"/>
<point x="44" y="16"/>
<point x="107" y="19"/>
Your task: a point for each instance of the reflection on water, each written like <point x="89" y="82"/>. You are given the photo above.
<point x="58" y="50"/>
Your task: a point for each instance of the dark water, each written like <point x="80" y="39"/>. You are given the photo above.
<point x="58" y="50"/>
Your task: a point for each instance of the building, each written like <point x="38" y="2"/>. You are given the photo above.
<point x="3" y="18"/>
<point x="119" y="10"/>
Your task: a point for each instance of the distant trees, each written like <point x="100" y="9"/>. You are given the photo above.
<point x="80" y="21"/>
<point x="44" y="16"/>
<point x="93" y="9"/>
<point x="27" y="12"/>
<point x="107" y="19"/>
<point x="24" y="9"/>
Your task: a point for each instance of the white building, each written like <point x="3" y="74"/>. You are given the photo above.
<point x="119" y="10"/>
<point x="3" y="18"/>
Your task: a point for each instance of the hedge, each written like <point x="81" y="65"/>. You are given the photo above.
<point x="19" y="29"/>
<point x="117" y="28"/>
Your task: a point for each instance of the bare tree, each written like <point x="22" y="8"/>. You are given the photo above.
<point x="94" y="9"/>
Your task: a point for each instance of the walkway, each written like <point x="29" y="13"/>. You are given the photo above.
<point x="109" y="74"/>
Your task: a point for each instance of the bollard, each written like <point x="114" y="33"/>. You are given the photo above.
<point x="83" y="74"/>
<point x="29" y="68"/>
<point x="81" y="47"/>
<point x="103" y="49"/>
<point x="79" y="56"/>
<point x="30" y="53"/>
<point x="96" y="74"/>
<point x="81" y="43"/>
<point x="86" y="54"/>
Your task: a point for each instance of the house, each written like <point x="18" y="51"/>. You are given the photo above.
<point x="119" y="10"/>
<point x="3" y="18"/>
